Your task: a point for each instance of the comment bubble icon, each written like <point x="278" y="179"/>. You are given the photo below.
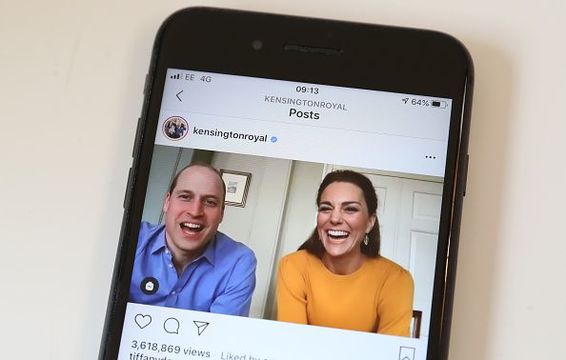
<point x="142" y="320"/>
<point x="171" y="326"/>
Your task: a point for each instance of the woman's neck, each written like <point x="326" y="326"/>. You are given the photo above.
<point x="345" y="264"/>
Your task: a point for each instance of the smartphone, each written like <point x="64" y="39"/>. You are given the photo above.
<point x="295" y="192"/>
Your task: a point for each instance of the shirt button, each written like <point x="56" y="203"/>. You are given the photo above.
<point x="173" y="292"/>
<point x="170" y="265"/>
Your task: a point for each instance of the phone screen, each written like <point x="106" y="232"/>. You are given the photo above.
<point x="217" y="272"/>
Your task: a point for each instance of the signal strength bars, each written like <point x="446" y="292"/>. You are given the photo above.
<point x="175" y="77"/>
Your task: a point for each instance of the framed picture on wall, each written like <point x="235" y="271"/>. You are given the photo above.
<point x="237" y="185"/>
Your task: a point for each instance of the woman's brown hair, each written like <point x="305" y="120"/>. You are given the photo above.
<point x="313" y="244"/>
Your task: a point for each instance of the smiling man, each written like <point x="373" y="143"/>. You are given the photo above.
<point x="187" y="263"/>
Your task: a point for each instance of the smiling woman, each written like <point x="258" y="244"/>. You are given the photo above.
<point x="339" y="268"/>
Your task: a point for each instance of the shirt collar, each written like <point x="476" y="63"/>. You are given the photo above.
<point x="209" y="253"/>
<point x="159" y="243"/>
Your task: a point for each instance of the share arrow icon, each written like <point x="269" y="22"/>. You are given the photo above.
<point x="201" y="326"/>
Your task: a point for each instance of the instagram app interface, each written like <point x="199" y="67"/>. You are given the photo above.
<point x="287" y="220"/>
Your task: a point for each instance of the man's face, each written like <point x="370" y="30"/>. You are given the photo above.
<point x="193" y="211"/>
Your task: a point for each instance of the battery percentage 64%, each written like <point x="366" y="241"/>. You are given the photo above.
<point x="424" y="102"/>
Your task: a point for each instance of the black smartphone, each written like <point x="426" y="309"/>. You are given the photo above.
<point x="295" y="193"/>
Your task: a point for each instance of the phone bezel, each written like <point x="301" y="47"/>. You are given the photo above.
<point x="375" y="57"/>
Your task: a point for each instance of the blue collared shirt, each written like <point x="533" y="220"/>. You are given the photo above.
<point x="221" y="280"/>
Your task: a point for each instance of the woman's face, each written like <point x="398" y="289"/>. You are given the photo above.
<point x="343" y="219"/>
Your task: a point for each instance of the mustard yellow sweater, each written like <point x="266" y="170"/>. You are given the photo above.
<point x="378" y="297"/>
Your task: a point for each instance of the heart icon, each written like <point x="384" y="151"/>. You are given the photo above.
<point x="142" y="320"/>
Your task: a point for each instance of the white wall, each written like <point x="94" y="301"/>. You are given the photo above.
<point x="166" y="162"/>
<point x="257" y="224"/>
<point x="74" y="71"/>
<point x="300" y="209"/>
<point x="299" y="218"/>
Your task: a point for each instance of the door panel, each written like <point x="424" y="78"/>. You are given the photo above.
<point x="418" y="238"/>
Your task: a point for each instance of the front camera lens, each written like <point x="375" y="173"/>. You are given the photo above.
<point x="257" y="44"/>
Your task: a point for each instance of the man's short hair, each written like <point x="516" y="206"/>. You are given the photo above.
<point x="204" y="165"/>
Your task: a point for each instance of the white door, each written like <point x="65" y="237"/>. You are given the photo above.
<point x="417" y="241"/>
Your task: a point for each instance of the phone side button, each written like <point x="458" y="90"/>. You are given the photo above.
<point x="466" y="173"/>
<point x="145" y="83"/>
<point x="137" y="138"/>
<point x="128" y="189"/>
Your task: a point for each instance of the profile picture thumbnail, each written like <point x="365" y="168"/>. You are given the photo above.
<point x="175" y="127"/>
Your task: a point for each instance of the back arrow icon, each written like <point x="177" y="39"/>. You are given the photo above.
<point x="178" y="97"/>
